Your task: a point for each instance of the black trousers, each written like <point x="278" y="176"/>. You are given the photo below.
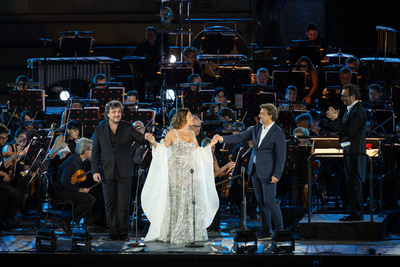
<point x="10" y="199"/>
<point x="117" y="198"/>
<point x="84" y="202"/>
<point x="354" y="184"/>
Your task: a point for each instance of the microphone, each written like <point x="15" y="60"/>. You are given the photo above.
<point x="191" y="171"/>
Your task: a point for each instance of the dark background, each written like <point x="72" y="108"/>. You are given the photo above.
<point x="118" y="26"/>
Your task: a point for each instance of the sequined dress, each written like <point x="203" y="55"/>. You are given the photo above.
<point x="167" y="195"/>
<point x="178" y="217"/>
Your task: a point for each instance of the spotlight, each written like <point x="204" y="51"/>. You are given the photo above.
<point x="81" y="241"/>
<point x="282" y="241"/>
<point x="172" y="59"/>
<point x="46" y="240"/>
<point x="171" y="94"/>
<point x="64" y="95"/>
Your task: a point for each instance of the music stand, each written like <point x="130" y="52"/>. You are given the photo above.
<point x="143" y="115"/>
<point x="75" y="44"/>
<point x="233" y="77"/>
<point x="176" y="75"/>
<point x="252" y="101"/>
<point x="88" y="117"/>
<point x="218" y="40"/>
<point x="32" y="100"/>
<point x="287" y="120"/>
<point x="312" y="52"/>
<point x="194" y="100"/>
<point x="331" y="100"/>
<point x="283" y="78"/>
<point x="105" y="95"/>
<point x="35" y="144"/>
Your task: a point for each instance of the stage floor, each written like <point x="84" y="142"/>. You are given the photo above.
<point x="19" y="245"/>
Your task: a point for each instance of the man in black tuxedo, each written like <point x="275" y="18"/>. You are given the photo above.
<point x="266" y="164"/>
<point x="112" y="164"/>
<point x="352" y="137"/>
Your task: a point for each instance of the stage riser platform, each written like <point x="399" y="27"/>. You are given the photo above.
<point x="328" y="227"/>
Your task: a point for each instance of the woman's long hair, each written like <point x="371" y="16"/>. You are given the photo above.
<point x="179" y="119"/>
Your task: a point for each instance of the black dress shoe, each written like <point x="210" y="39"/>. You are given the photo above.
<point x="123" y="237"/>
<point x="352" y="218"/>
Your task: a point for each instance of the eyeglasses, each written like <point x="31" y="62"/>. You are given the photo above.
<point x="3" y="138"/>
<point x="196" y="126"/>
<point x="345" y="96"/>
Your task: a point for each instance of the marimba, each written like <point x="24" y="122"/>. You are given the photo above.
<point x="55" y="70"/>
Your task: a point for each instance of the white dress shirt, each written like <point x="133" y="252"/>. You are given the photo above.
<point x="264" y="132"/>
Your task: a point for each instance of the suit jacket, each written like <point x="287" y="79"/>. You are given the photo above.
<point x="270" y="155"/>
<point x="104" y="159"/>
<point x="352" y="128"/>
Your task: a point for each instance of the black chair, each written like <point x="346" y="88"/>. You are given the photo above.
<point x="46" y="198"/>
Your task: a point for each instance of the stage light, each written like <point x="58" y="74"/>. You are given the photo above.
<point x="46" y="240"/>
<point x="64" y="95"/>
<point x="172" y="59"/>
<point x="170" y="94"/>
<point x="282" y="241"/>
<point x="81" y="241"/>
<point x="245" y="242"/>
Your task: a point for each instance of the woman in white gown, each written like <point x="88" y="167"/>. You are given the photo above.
<point x="179" y="171"/>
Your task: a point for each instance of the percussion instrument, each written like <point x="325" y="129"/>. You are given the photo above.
<point x="67" y="68"/>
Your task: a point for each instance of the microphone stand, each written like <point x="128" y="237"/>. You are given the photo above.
<point x="193" y="243"/>
<point x="135" y="211"/>
<point x="244" y="201"/>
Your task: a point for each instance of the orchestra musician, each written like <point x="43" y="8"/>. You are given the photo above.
<point x="64" y="146"/>
<point x="219" y="173"/>
<point x="190" y="57"/>
<point x="13" y="153"/>
<point x="131" y="97"/>
<point x="10" y="197"/>
<point x="21" y="79"/>
<point x="67" y="184"/>
<point x="265" y="165"/>
<point x="262" y="76"/>
<point x="291" y="95"/>
<point x="219" y="97"/>
<point x="310" y="92"/>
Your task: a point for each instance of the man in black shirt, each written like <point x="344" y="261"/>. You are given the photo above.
<point x="67" y="188"/>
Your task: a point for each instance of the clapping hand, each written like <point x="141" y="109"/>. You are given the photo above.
<point x="332" y="114"/>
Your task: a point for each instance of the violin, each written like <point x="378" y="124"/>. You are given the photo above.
<point x="225" y="187"/>
<point x="79" y="176"/>
<point x="13" y="167"/>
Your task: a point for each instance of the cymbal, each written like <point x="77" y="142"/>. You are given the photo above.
<point x="339" y="54"/>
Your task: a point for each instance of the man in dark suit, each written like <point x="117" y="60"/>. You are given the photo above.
<point x="265" y="165"/>
<point x="352" y="137"/>
<point x="112" y="164"/>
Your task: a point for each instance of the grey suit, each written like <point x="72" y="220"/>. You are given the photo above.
<point x="270" y="160"/>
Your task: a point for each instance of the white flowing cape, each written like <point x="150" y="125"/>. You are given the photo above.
<point x="155" y="190"/>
